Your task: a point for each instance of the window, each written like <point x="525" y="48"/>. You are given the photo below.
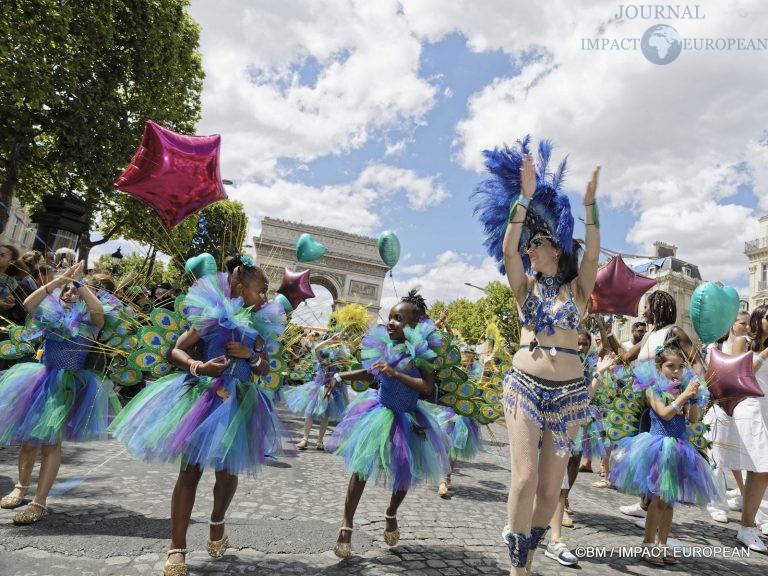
<point x="686" y="270"/>
<point x="764" y="272"/>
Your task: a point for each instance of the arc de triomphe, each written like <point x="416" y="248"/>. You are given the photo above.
<point x="351" y="269"/>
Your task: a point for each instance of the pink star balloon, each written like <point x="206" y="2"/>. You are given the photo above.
<point x="295" y="287"/>
<point x="731" y="379"/>
<point x="618" y="288"/>
<point x="175" y="174"/>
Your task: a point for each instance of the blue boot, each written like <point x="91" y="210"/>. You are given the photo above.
<point x="518" y="544"/>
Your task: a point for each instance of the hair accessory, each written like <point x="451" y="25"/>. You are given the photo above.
<point x="246" y="261"/>
<point x="549" y="210"/>
<point x="659" y="349"/>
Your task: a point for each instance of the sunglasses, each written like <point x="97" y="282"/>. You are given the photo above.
<point x="537" y="243"/>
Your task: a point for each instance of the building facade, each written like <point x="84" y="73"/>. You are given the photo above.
<point x="673" y="275"/>
<point x="757" y="253"/>
<point x="19" y="230"/>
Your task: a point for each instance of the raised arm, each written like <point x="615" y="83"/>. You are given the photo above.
<point x="518" y="281"/>
<point x="33" y="300"/>
<point x="585" y="282"/>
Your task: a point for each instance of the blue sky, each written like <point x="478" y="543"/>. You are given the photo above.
<point x="372" y="116"/>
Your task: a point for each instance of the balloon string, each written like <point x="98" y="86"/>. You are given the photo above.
<point x="394" y="288"/>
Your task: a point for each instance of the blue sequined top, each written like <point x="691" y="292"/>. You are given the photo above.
<point x="395" y="395"/>
<point x="674" y="428"/>
<point x="544" y="312"/>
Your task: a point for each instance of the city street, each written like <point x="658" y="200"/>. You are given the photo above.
<point x="109" y="515"/>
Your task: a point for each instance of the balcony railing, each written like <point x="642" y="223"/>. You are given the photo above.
<point x="755" y="244"/>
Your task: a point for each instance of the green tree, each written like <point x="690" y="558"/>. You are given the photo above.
<point x="78" y="81"/>
<point x="137" y="264"/>
<point x="499" y="303"/>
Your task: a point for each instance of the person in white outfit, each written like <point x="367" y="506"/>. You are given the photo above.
<point x="750" y="420"/>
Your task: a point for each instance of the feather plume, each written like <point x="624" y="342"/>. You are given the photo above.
<point x="549" y="210"/>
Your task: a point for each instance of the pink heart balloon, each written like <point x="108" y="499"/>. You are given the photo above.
<point x="731" y="379"/>
<point x="296" y="287"/>
<point x="618" y="288"/>
<point x="174" y="173"/>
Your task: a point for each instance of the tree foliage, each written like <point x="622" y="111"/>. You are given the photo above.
<point x="78" y="80"/>
<point x="470" y="319"/>
<point x="138" y="264"/>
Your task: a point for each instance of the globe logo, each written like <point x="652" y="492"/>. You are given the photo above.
<point x="661" y="44"/>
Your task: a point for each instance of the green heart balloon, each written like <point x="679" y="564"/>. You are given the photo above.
<point x="201" y="265"/>
<point x="713" y="310"/>
<point x="308" y="249"/>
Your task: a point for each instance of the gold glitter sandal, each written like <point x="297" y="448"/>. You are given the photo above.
<point x="391" y="538"/>
<point x="180" y="569"/>
<point x="217" y="548"/>
<point x="10" y="502"/>
<point x="32" y="514"/>
<point x="343" y="549"/>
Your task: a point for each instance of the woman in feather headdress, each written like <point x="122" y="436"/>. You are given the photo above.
<point x="42" y="404"/>
<point x="388" y="434"/>
<point x="529" y="225"/>
<point x="213" y="415"/>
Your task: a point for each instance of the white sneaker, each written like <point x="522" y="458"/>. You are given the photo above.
<point x="640" y="523"/>
<point x="764" y="529"/>
<point x="719" y="516"/>
<point x="749" y="537"/>
<point x="735" y="503"/>
<point x="761" y="517"/>
<point x="733" y="492"/>
<point x="633" y="510"/>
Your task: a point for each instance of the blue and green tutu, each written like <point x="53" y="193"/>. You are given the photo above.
<point x="463" y="433"/>
<point x="56" y="399"/>
<point x="221" y="423"/>
<point x="309" y="399"/>
<point x="663" y="462"/>
<point x="590" y="441"/>
<point x="225" y="423"/>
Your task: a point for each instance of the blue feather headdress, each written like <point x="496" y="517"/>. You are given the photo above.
<point x="549" y="211"/>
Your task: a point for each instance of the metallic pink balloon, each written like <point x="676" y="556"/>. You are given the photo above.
<point x="175" y="174"/>
<point x="296" y="287"/>
<point x="731" y="379"/>
<point x="618" y="288"/>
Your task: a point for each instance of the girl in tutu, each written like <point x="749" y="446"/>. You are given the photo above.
<point x="310" y="399"/>
<point x="213" y="415"/>
<point x="57" y="399"/>
<point x="662" y="463"/>
<point x="387" y="434"/>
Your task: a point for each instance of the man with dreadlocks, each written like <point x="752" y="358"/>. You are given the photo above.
<point x="388" y="434"/>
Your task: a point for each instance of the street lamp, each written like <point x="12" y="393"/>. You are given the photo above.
<point x="473" y="286"/>
<point x="117" y="259"/>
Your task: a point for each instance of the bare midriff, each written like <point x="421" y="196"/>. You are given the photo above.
<point x="539" y="362"/>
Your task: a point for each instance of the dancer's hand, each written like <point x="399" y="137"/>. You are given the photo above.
<point x="237" y="350"/>
<point x="527" y="177"/>
<point x="214" y="367"/>
<point x="606" y="362"/>
<point x="589" y="195"/>
<point x="381" y="367"/>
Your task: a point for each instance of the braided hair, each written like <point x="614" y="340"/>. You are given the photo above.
<point x="243" y="267"/>
<point x="661" y="309"/>
<point x="418" y="303"/>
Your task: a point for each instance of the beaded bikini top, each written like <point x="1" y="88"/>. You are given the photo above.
<point x="545" y="312"/>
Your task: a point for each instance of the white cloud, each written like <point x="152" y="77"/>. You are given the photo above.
<point x="352" y="207"/>
<point x="671" y="139"/>
<point x="444" y="279"/>
<point x="366" y="66"/>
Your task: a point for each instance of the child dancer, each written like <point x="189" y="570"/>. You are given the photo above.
<point x="388" y="434"/>
<point x="57" y="399"/>
<point x="662" y="463"/>
<point x="310" y="399"/>
<point x="215" y="416"/>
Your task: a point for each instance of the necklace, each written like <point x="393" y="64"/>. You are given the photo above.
<point x="549" y="286"/>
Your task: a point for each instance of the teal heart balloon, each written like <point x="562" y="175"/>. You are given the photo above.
<point x="284" y="302"/>
<point x="389" y="248"/>
<point x="713" y="310"/>
<point x="201" y="265"/>
<point x="308" y="249"/>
